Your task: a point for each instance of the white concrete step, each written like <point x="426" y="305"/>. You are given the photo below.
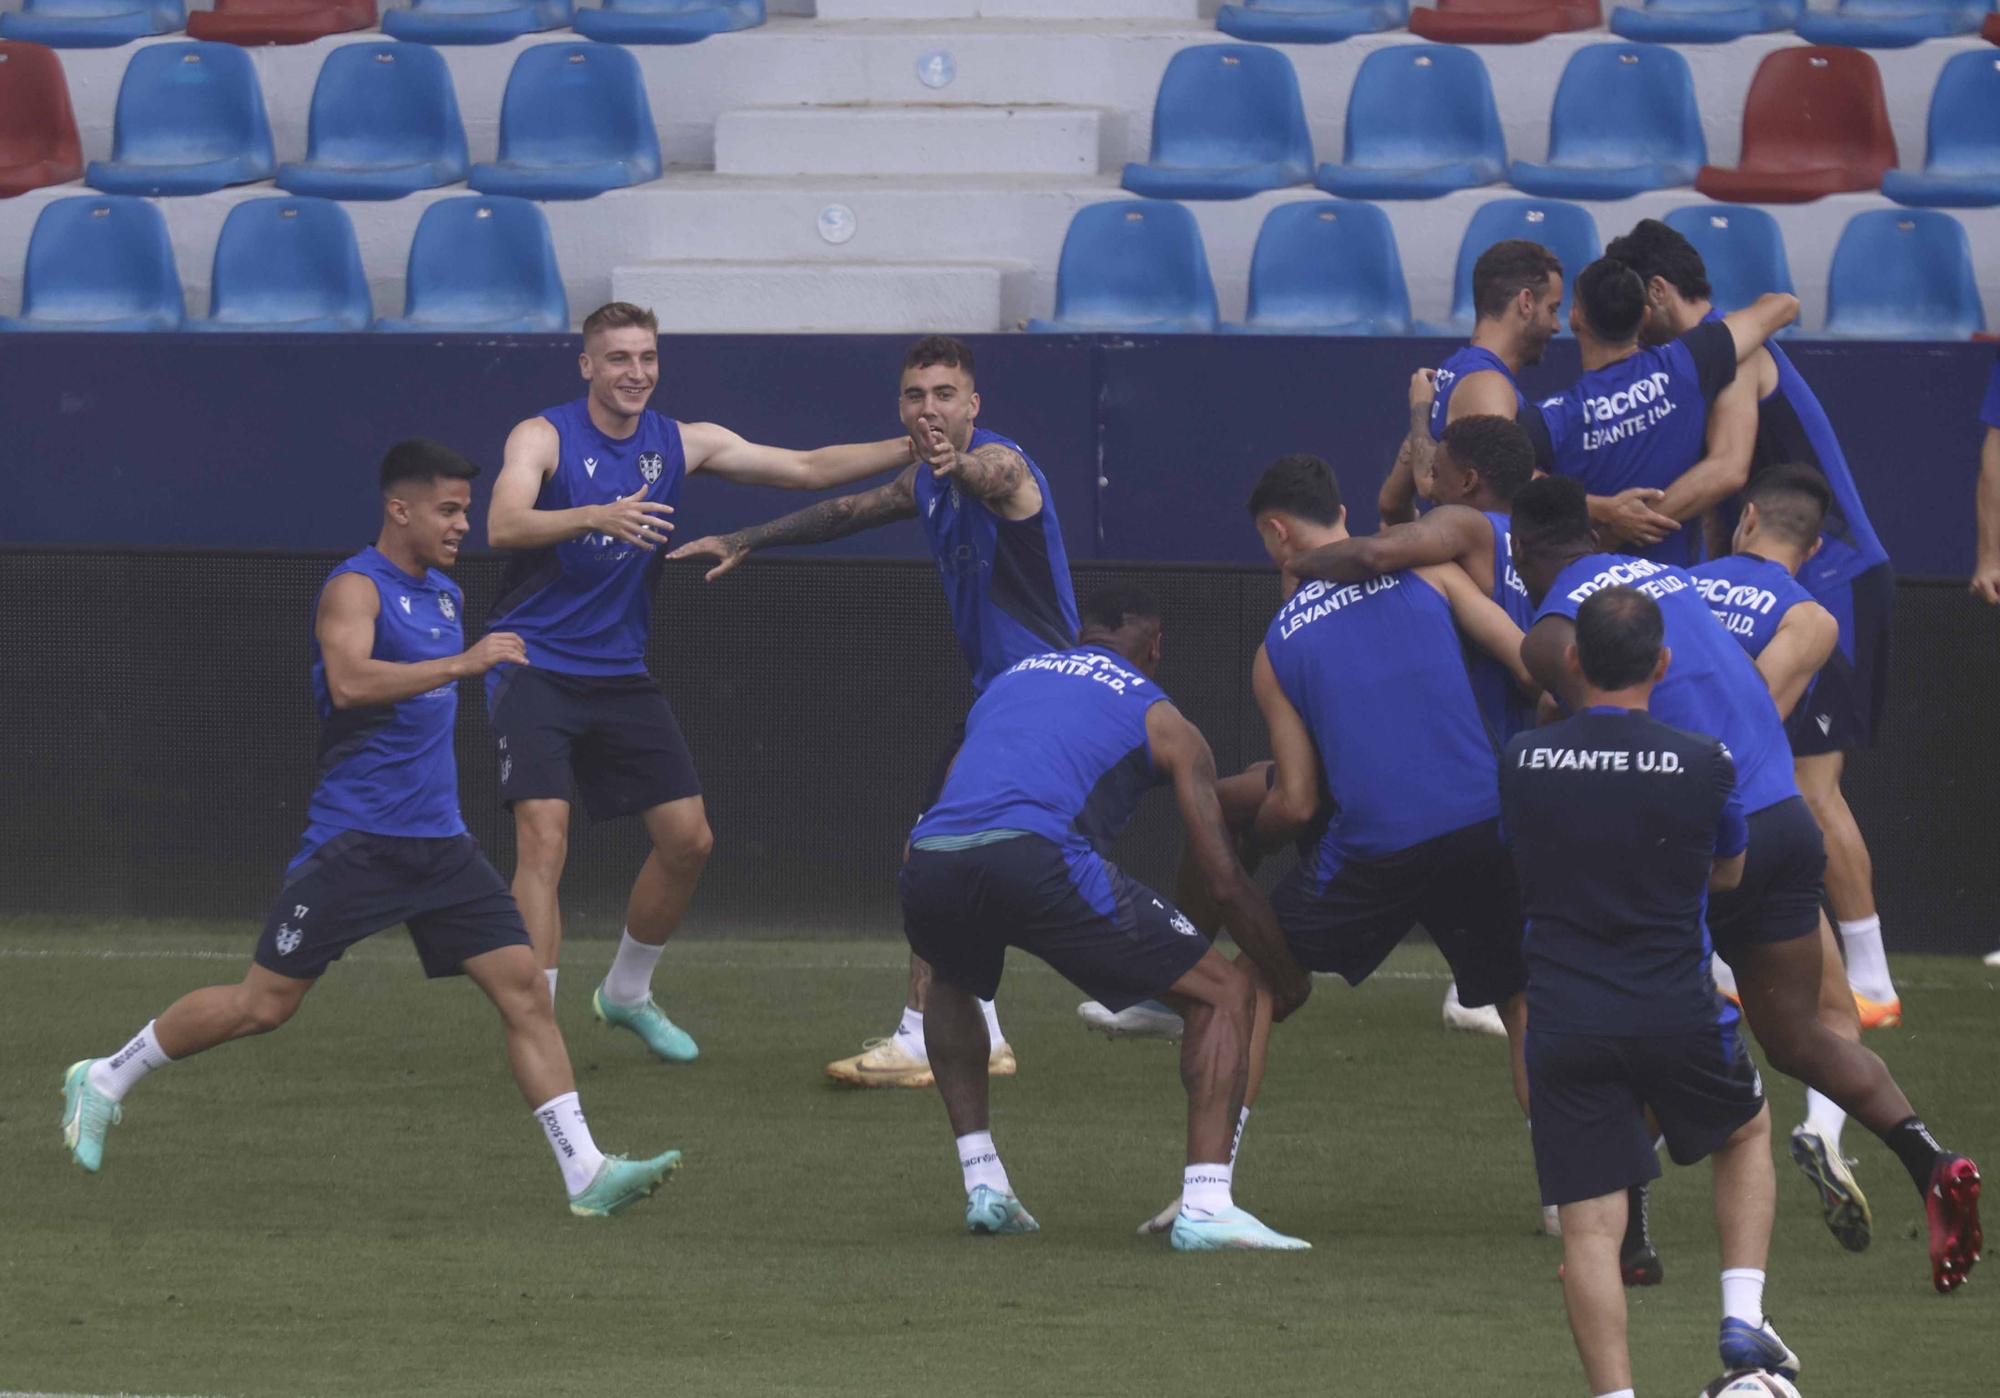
<point x="1009" y="9"/>
<point x="906" y="297"/>
<point x="1065" y="142"/>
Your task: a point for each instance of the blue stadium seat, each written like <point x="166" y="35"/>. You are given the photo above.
<point x="1133" y="266"/>
<point x="1228" y="122"/>
<point x="190" y="119"/>
<point x="1903" y="274"/>
<point x="574" y="123"/>
<point x="384" y="124"/>
<point x="667" y="21"/>
<point x="92" y="24"/>
<point x="1704" y="21"/>
<point x="1420" y="123"/>
<point x="287" y="264"/>
<point x="1742" y="248"/>
<point x="99" y="262"/>
<point x="1564" y="229"/>
<point x="1309" y="21"/>
<point x="1891" y="24"/>
<point x="1326" y="267"/>
<point x="1962" y="158"/>
<point x="482" y="264"/>
<point x="1624" y="122"/>
<point x="475" y="21"/>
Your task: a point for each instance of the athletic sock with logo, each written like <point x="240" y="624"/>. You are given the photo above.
<point x="1867" y="962"/>
<point x="910" y="1034"/>
<point x="1205" y="1190"/>
<point x="1236" y="1143"/>
<point x="114" y="1076"/>
<point x="1637" y="1222"/>
<point x="569" y="1137"/>
<point x="630" y="979"/>
<point x="1916" y="1148"/>
<point x="979" y="1161"/>
<point x="993" y="1035"/>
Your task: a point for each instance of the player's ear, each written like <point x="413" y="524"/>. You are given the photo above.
<point x="583" y="364"/>
<point x="1340" y="520"/>
<point x="1660" y="665"/>
<point x="1572" y="662"/>
<point x="972" y="405"/>
<point x="1817" y="545"/>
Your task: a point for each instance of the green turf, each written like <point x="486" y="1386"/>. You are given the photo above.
<point x="361" y="1205"/>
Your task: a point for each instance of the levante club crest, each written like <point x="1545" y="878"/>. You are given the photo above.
<point x="651" y="463"/>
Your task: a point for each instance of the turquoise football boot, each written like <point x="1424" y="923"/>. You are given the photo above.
<point x="988" y="1211"/>
<point x="87" y="1115"/>
<point x="621" y="1183"/>
<point x="666" y="1039"/>
<point x="1232" y="1228"/>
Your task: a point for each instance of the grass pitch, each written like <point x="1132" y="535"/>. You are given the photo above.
<point x="360" y="1204"/>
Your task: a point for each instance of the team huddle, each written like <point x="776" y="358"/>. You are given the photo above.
<point x="1581" y="719"/>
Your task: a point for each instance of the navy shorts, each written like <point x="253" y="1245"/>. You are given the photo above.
<point x="355" y="885"/>
<point x="1591" y="1091"/>
<point x="610" y="738"/>
<point x="1843" y="709"/>
<point x="1784" y="871"/>
<point x="1113" y="938"/>
<point x="1460" y="886"/>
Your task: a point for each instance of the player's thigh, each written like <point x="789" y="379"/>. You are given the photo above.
<point x="634" y="756"/>
<point x="537" y="717"/>
<point x="1214" y="981"/>
<point x="1589" y="1125"/>
<point x="346" y="890"/>
<point x="949" y="919"/>
<point x="1110" y="935"/>
<point x="1472" y="909"/>
<point x="1701" y="1086"/>
<point x="679" y="829"/>
<point x="1777" y="900"/>
<point x="1346" y="922"/>
<point x="1780" y="986"/>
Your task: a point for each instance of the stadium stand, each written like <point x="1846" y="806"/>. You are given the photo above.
<point x="287" y="265"/>
<point x="1229" y="122"/>
<point x="91" y="24"/>
<point x="1502" y="21"/>
<point x="475" y="21"/>
<point x="1815" y="123"/>
<point x="666" y="21"/>
<point x="1962" y="149"/>
<point x="190" y="119"/>
<point x="384" y="123"/>
<point x="38" y="141"/>
<point x="1420" y="121"/>
<point x="482" y="263"/>
<point x="253" y="22"/>
<point x="1891" y="24"/>
<point x="575" y="122"/>
<point x="1743" y="249"/>
<point x="1624" y="122"/>
<point x="1309" y="21"/>
<point x="1567" y="230"/>
<point x="1133" y="266"/>
<point x="1326" y="268"/>
<point x="99" y="262"/>
<point x="1903" y="274"/>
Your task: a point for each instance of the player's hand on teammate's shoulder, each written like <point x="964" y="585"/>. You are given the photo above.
<point x="634" y="519"/>
<point x="727" y="549"/>
<point x="1986" y="586"/>
<point x="1629" y="516"/>
<point x="494" y="648"/>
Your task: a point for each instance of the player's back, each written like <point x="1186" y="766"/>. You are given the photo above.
<point x="1055" y="747"/>
<point x="1375" y="671"/>
<point x="1750" y="596"/>
<point x="1007" y="580"/>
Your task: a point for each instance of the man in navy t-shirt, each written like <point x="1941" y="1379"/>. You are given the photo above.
<point x="1620" y="825"/>
<point x="384" y="841"/>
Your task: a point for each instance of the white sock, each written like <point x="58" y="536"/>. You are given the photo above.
<point x="115" y="1075"/>
<point x="1205" y="1189"/>
<point x="911" y="1034"/>
<point x="552" y="973"/>
<point x="1825" y="1117"/>
<point x="993" y="1035"/>
<point x="630" y="979"/>
<point x="1743" y="1295"/>
<point x="1236" y="1142"/>
<point x="569" y="1137"/>
<point x="1618" y="1393"/>
<point x="980" y="1161"/>
<point x="1725" y="979"/>
<point x="1867" y="963"/>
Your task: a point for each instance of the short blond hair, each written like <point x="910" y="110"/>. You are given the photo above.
<point x="619" y="315"/>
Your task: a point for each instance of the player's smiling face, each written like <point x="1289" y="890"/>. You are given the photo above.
<point x="623" y="367"/>
<point x="437" y="515"/>
<point x="940" y="395"/>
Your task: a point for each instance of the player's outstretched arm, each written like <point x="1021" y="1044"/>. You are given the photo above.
<point x="1293" y="799"/>
<point x="712" y="447"/>
<point x="1445" y="535"/>
<point x="345" y="628"/>
<point x="1725" y="467"/>
<point x="513" y="522"/>
<point x="1183" y="754"/>
<point x="1986" y="580"/>
<point x="1803" y="642"/>
<point x="1482" y="621"/>
<point x="815" y="524"/>
<point x="1544" y="652"/>
<point x="1760" y="320"/>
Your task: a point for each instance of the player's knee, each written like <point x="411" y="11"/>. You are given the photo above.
<point x="261" y="1013"/>
<point x="689" y="847"/>
<point x="542" y="841"/>
<point x="1754" y="1134"/>
<point x="1794" y="1049"/>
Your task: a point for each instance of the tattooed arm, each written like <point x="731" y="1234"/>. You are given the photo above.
<point x="996" y="476"/>
<point x="815" y="524"/>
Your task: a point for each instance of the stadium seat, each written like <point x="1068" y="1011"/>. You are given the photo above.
<point x="38" y="140"/>
<point x="1502" y="21"/>
<point x="1309" y="21"/>
<point x="1566" y="230"/>
<point x="1326" y="267"/>
<point x="92" y="24"/>
<point x="1703" y="21"/>
<point x="1815" y="123"/>
<point x="1624" y="122"/>
<point x="1133" y="266"/>
<point x="574" y="123"/>
<point x="667" y="21"/>
<point x="1903" y="274"/>
<point x="1420" y="123"/>
<point x="482" y="264"/>
<point x="475" y="21"/>
<point x="287" y="264"/>
<point x="190" y="120"/>
<point x="1228" y="122"/>
<point x="1989" y="29"/>
<point x="1742" y="248"/>
<point x="1962" y="159"/>
<point x="98" y="262"/>
<point x="384" y="124"/>
<point x="279" y="21"/>
<point x="1892" y="24"/>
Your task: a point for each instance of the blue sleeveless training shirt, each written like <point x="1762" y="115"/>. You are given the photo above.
<point x="1506" y="710"/>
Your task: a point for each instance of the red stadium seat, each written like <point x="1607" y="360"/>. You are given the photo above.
<point x="279" y="21"/>
<point x="1503" y="21"/>
<point x="1990" y="29"/>
<point x="38" y="142"/>
<point x="1815" y="123"/>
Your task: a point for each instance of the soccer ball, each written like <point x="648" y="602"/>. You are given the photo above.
<point x="1750" y="1383"/>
